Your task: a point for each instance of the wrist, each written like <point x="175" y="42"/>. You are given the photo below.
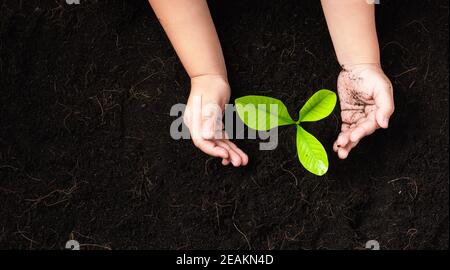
<point x="209" y="77"/>
<point x="361" y="66"/>
<point x="351" y="65"/>
<point x="212" y="83"/>
<point x="359" y="56"/>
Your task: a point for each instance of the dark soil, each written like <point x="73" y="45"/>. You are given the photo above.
<point x="86" y="154"/>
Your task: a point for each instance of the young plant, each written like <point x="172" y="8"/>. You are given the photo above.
<point x="310" y="151"/>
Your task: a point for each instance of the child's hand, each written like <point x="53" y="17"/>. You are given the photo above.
<point x="203" y="117"/>
<point x="366" y="99"/>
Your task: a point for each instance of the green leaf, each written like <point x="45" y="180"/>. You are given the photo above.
<point x="311" y="153"/>
<point x="257" y="113"/>
<point x="319" y="106"/>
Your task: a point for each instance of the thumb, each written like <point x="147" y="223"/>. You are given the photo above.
<point x="384" y="101"/>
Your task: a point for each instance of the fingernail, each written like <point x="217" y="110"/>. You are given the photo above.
<point x="386" y="121"/>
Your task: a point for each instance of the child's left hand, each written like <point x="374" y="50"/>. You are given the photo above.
<point x="366" y="99"/>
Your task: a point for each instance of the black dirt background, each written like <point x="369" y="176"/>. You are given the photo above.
<point x="86" y="154"/>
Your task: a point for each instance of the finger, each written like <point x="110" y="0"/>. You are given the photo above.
<point x="343" y="139"/>
<point x="384" y="101"/>
<point x="234" y="157"/>
<point x="335" y="146"/>
<point x="344" y="127"/>
<point x="211" y="148"/>
<point x="227" y="161"/>
<point x="363" y="129"/>
<point x="344" y="151"/>
<point x="244" y="156"/>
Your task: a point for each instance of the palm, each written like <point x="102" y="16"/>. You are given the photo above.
<point x="356" y="100"/>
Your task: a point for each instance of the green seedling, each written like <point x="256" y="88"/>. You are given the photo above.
<point x="311" y="153"/>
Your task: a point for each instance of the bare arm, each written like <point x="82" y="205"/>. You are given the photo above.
<point x="191" y="31"/>
<point x="190" y="28"/>
<point x="352" y="28"/>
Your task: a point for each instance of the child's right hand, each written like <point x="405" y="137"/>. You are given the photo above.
<point x="203" y="117"/>
<point x="367" y="103"/>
